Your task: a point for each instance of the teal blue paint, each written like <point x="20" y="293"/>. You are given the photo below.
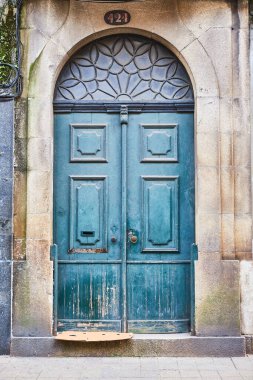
<point x="124" y="188"/>
<point x="124" y="220"/>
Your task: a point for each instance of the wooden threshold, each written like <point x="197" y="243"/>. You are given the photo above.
<point x="98" y="336"/>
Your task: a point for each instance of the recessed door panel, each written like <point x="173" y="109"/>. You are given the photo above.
<point x="158" y="297"/>
<point x="88" y="143"/>
<point x="159" y="142"/>
<point x="89" y="297"/>
<point x="160" y="214"/>
<point x="88" y="214"/>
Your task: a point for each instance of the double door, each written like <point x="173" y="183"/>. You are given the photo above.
<point x="124" y="220"/>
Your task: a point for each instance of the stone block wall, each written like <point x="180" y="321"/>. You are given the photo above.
<point x="6" y="196"/>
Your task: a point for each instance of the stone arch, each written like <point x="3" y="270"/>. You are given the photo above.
<point x="43" y="76"/>
<point x="124" y="67"/>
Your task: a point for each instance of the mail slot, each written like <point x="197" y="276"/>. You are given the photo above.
<point x="87" y="233"/>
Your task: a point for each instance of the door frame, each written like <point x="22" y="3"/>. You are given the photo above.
<point x="122" y="109"/>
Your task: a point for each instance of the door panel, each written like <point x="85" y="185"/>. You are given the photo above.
<point x="88" y="210"/>
<point x="160" y="213"/>
<point x="158" y="298"/>
<point x="87" y="214"/>
<point x="89" y="296"/>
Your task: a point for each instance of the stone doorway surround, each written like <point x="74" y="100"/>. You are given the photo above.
<point x="211" y="40"/>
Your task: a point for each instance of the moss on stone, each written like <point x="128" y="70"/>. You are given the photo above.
<point x="218" y="309"/>
<point x="7" y="38"/>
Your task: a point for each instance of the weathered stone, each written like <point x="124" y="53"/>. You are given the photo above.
<point x="5" y="307"/>
<point x="39" y="226"/>
<point x="32" y="303"/>
<point x="201" y="15"/>
<point x="226" y="115"/>
<point x="228" y="236"/>
<point x="20" y="209"/>
<point x="204" y="76"/>
<point x="19" y="249"/>
<point x="217" y="43"/>
<point x="208" y="201"/>
<point x="208" y="238"/>
<point x="240" y="115"/>
<point x="226" y="149"/>
<point x="246" y="277"/>
<point x="207" y="148"/>
<point x="242" y="148"/>
<point x="207" y="114"/>
<point x="146" y="346"/>
<point x="54" y="14"/>
<point x="243" y="228"/>
<point x="242" y="198"/>
<point x="20" y="154"/>
<point x="38" y="202"/>
<point x="39" y="154"/>
<point x="217" y="297"/>
<point x="21" y="118"/>
<point x="6" y="193"/>
<point x="227" y="189"/>
<point x="5" y="247"/>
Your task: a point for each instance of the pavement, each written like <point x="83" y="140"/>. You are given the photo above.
<point x="151" y="368"/>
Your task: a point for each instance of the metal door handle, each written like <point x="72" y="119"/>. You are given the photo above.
<point x="132" y="237"/>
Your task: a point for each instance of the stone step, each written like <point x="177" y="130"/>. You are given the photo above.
<point x="160" y="345"/>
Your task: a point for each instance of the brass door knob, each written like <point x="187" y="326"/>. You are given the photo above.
<point x="133" y="239"/>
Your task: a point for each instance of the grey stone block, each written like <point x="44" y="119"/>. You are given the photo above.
<point x="5" y="247"/>
<point x="6" y="162"/>
<point x="6" y="195"/>
<point x="6" y="122"/>
<point x="249" y="344"/>
<point x="5" y="307"/>
<point x="147" y="347"/>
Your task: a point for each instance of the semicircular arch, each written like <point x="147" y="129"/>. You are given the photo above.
<point x="124" y="67"/>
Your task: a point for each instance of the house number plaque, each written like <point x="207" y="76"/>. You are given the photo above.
<point x="117" y="17"/>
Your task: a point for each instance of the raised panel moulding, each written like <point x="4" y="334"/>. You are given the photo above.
<point x="124" y="68"/>
<point x="88" y="143"/>
<point x="160" y="214"/>
<point x="88" y="215"/>
<point x="159" y="142"/>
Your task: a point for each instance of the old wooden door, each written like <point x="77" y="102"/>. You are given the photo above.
<point x="124" y="188"/>
<point x="146" y="288"/>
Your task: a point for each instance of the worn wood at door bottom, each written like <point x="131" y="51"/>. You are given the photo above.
<point x="98" y="336"/>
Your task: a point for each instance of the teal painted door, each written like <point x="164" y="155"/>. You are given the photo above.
<point x="124" y="221"/>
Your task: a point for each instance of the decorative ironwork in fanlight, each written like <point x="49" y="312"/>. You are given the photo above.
<point x="124" y="68"/>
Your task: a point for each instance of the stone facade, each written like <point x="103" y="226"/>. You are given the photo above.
<point x="211" y="38"/>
